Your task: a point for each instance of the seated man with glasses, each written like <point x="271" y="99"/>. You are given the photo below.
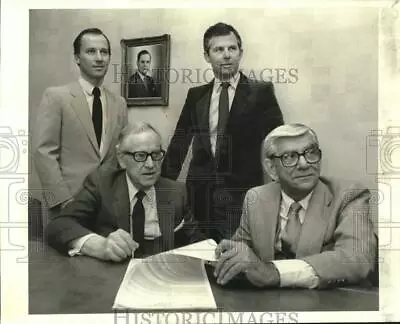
<point x="124" y="208"/>
<point x="302" y="229"/>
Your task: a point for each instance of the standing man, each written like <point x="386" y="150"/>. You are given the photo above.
<point x="228" y="120"/>
<point x="77" y="124"/>
<point x="140" y="83"/>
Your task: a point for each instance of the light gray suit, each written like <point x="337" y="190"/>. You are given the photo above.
<point x="66" y="148"/>
<point x="337" y="237"/>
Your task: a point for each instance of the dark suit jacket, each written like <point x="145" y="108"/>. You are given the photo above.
<point x="137" y="89"/>
<point x="102" y="206"/>
<point x="254" y="113"/>
<point x="337" y="237"/>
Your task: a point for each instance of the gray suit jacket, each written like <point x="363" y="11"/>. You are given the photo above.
<point x="66" y="149"/>
<point x="337" y="237"/>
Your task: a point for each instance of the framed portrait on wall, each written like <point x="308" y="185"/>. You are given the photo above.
<point x="145" y="70"/>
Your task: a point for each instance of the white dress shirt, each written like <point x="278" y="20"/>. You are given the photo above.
<point x="293" y="272"/>
<point x="87" y="88"/>
<point x="214" y="103"/>
<point x="151" y="224"/>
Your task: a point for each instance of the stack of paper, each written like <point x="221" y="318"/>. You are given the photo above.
<point x="171" y="280"/>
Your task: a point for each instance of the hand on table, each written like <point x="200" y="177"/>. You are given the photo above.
<point x="117" y="246"/>
<point x="234" y="257"/>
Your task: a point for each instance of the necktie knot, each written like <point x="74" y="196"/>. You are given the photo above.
<point x="140" y="195"/>
<point x="294" y="208"/>
<point x="225" y="85"/>
<point x="96" y="92"/>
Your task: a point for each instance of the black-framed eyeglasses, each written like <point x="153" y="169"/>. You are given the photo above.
<point x="290" y="159"/>
<point x="141" y="156"/>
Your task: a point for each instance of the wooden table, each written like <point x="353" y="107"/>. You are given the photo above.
<point x="62" y="285"/>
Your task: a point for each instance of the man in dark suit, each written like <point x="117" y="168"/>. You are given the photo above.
<point x="227" y="119"/>
<point x="125" y="208"/>
<point x="140" y="83"/>
<point x="302" y="230"/>
<point x="77" y="125"/>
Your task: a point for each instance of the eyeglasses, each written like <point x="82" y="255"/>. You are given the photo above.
<point x="290" y="159"/>
<point x="141" y="156"/>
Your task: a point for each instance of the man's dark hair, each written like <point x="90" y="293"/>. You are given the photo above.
<point x="219" y="29"/>
<point x="78" y="39"/>
<point x="142" y="52"/>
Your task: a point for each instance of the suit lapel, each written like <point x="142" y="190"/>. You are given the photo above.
<point x="203" y="115"/>
<point x="80" y="106"/>
<point x="314" y="226"/>
<point x="121" y="203"/>
<point x="166" y="213"/>
<point x="268" y="217"/>
<point x="240" y="100"/>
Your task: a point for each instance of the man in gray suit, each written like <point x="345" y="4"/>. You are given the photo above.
<point x="77" y="124"/>
<point x="301" y="230"/>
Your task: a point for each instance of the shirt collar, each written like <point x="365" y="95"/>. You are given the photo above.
<point x="87" y="86"/>
<point x="288" y="201"/>
<point x="132" y="190"/>
<point x="233" y="81"/>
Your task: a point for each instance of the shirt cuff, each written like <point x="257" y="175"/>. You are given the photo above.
<point x="76" y="245"/>
<point x="296" y="273"/>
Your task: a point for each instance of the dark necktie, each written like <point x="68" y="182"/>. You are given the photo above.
<point x="97" y="114"/>
<point x="223" y="114"/>
<point x="291" y="233"/>
<point x="138" y="220"/>
<point x="146" y="82"/>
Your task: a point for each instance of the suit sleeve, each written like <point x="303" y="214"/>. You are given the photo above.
<point x="124" y="113"/>
<point x="272" y="114"/>
<point x="354" y="248"/>
<point x="76" y="219"/>
<point x="47" y="153"/>
<point x="122" y="121"/>
<point x="243" y="231"/>
<point x="190" y="231"/>
<point x="180" y="142"/>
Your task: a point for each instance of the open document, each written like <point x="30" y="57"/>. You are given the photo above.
<point x="174" y="279"/>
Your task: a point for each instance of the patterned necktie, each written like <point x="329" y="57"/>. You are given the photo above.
<point x="291" y="233"/>
<point x="223" y="115"/>
<point x="97" y="114"/>
<point x="137" y="219"/>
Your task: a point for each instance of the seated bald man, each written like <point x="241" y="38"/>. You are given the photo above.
<point x="302" y="229"/>
<point x="124" y="208"/>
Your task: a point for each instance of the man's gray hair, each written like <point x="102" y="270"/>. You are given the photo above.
<point x="136" y="128"/>
<point x="284" y="131"/>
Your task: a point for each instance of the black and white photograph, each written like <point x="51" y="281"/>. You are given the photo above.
<point x="200" y="164"/>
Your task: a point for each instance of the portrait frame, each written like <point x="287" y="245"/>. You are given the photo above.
<point x="134" y="88"/>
